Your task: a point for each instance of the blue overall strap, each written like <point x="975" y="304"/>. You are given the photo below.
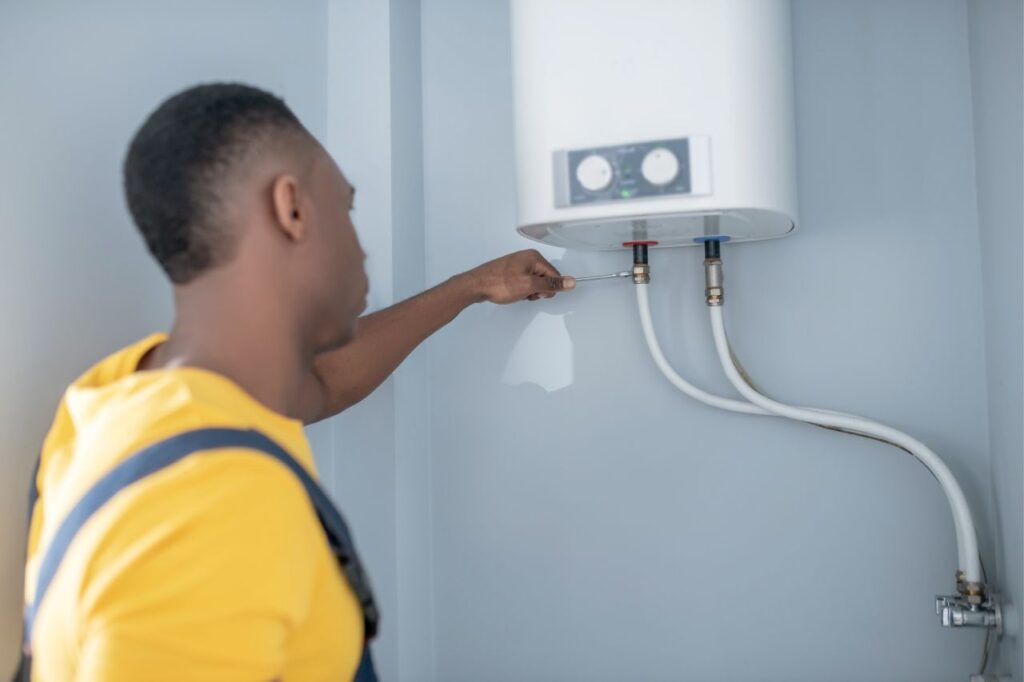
<point x="24" y="671"/>
<point x="167" y="452"/>
<point x="33" y="491"/>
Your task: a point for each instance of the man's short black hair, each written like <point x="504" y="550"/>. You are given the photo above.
<point x="177" y="164"/>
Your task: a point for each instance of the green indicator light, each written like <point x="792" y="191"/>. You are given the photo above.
<point x="625" y="194"/>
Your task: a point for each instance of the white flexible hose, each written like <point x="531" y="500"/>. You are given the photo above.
<point x="670" y="374"/>
<point x="730" y="404"/>
<point x="967" y="541"/>
<point x="763" y="405"/>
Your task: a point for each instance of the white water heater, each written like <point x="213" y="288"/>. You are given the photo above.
<point x="667" y="121"/>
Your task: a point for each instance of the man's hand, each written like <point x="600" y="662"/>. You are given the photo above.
<point x="524" y="275"/>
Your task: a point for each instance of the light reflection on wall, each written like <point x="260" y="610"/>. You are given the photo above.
<point x="542" y="356"/>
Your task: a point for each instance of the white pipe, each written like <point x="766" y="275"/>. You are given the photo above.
<point x="730" y="404"/>
<point x="763" y="405"/>
<point x="676" y="380"/>
<point x="967" y="541"/>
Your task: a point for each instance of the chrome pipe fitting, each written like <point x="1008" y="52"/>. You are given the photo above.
<point x="714" y="280"/>
<point x="958" y="611"/>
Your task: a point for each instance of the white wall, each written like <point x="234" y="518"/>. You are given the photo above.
<point x="589" y="522"/>
<point x="997" y="78"/>
<point x="75" y="280"/>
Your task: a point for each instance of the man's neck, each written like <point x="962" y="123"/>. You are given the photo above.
<point x="241" y="336"/>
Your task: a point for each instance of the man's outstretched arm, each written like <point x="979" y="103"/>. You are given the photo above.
<point x="343" y="377"/>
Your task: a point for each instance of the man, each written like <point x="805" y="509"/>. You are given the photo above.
<point x="216" y="567"/>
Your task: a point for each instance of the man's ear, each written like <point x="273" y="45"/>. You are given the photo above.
<point x="288" y="215"/>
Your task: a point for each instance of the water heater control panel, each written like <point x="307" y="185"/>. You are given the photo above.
<point x="636" y="170"/>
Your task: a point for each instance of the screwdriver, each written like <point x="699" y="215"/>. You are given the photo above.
<point x="594" y="278"/>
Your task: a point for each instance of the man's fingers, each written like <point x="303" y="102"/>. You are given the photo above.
<point x="556" y="283"/>
<point x="541" y="266"/>
<point x="549" y="278"/>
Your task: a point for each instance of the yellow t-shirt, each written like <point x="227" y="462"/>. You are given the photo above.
<point x="214" y="568"/>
